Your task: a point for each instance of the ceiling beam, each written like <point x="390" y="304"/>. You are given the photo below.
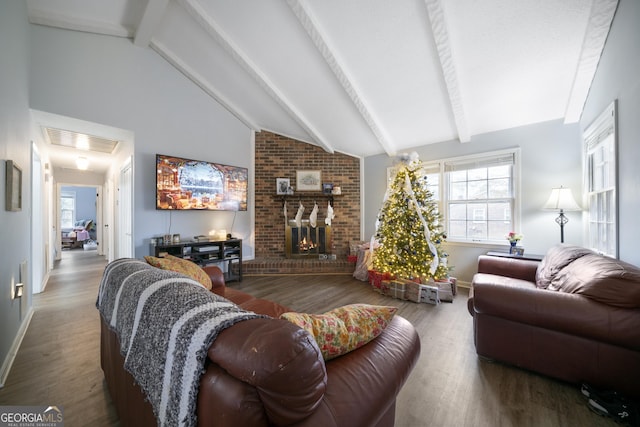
<point x="600" y="19"/>
<point x="449" y="72"/>
<point x="151" y="18"/>
<point x="201" y="82"/>
<point x="311" y="26"/>
<point x="75" y="23"/>
<point x="212" y="28"/>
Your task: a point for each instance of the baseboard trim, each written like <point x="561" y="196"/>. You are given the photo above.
<point x="463" y="284"/>
<point x="13" y="351"/>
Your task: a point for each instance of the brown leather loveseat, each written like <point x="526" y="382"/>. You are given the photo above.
<point x="269" y="372"/>
<point x="574" y="316"/>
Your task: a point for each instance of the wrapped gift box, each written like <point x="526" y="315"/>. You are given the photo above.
<point x="429" y="294"/>
<point x="376" y="278"/>
<point x="398" y="289"/>
<point x="413" y="291"/>
<point x="445" y="290"/>
<point x="385" y="287"/>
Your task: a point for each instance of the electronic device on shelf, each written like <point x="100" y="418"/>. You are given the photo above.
<point x="206" y="248"/>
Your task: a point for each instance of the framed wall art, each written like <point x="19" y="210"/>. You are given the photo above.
<point x="308" y="181"/>
<point x="283" y="186"/>
<point x="13" y="190"/>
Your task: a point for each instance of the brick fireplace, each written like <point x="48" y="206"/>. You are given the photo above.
<point x="277" y="156"/>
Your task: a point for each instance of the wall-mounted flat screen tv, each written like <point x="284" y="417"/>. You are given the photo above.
<point x="184" y="184"/>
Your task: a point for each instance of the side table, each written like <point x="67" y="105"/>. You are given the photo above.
<point x="532" y="257"/>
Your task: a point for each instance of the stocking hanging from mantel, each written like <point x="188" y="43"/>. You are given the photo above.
<point x="298" y="218"/>
<point x="284" y="211"/>
<point x="313" y="218"/>
<point x="330" y="215"/>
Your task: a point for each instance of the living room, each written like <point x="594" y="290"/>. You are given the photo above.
<point x="109" y="80"/>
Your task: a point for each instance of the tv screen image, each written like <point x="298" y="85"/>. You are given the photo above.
<point x="185" y="184"/>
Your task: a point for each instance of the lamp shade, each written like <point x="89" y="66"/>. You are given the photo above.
<point x="561" y="199"/>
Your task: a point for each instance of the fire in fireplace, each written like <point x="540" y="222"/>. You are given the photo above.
<point x="305" y="241"/>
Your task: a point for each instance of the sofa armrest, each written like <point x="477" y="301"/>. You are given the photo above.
<point x="364" y="384"/>
<point x="217" y="279"/>
<point x="523" y="269"/>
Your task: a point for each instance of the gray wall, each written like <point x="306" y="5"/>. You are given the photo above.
<point x="618" y="77"/>
<point x="550" y="157"/>
<point x="14" y="145"/>
<point x="110" y="81"/>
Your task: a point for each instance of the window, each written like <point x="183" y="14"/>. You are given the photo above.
<point x="480" y="204"/>
<point x="600" y="183"/>
<point x="67" y="209"/>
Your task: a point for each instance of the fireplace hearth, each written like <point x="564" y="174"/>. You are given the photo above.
<point x="306" y="241"/>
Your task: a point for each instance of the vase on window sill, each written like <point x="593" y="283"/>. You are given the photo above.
<point x="513" y="243"/>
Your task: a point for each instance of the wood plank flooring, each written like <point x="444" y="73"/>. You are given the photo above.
<point x="59" y="363"/>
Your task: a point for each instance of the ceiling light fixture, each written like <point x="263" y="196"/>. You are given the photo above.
<point x="82" y="163"/>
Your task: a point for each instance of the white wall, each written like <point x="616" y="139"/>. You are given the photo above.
<point x="618" y="78"/>
<point x="550" y="157"/>
<point x="110" y="81"/>
<point x="14" y="145"/>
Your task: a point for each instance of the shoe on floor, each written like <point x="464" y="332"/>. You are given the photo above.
<point x="592" y="392"/>
<point x="616" y="407"/>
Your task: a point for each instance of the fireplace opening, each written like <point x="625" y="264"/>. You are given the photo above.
<point x="306" y="241"/>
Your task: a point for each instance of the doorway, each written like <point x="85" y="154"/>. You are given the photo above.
<point x="79" y="218"/>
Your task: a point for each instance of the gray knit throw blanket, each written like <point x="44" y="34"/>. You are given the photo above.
<point x="165" y="323"/>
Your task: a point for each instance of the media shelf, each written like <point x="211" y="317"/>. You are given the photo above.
<point x="227" y="253"/>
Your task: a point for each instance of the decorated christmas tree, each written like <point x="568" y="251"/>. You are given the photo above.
<point x="409" y="230"/>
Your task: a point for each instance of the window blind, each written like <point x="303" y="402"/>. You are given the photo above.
<point x="480" y="162"/>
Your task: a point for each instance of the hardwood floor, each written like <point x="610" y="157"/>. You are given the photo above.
<point x="59" y="364"/>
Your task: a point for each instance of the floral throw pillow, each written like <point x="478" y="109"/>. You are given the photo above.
<point x="179" y="265"/>
<point x="344" y="329"/>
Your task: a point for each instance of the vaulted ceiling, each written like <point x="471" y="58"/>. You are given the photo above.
<point x="365" y="77"/>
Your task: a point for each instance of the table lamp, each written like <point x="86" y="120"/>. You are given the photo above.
<point x="561" y="199"/>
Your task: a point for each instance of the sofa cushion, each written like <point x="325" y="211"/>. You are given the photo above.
<point x="557" y="258"/>
<point x="179" y="265"/>
<point x="344" y="329"/>
<point x="606" y="280"/>
<point x="263" y="306"/>
<point x="236" y="296"/>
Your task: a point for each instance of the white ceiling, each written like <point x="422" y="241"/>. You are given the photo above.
<point x="365" y="77"/>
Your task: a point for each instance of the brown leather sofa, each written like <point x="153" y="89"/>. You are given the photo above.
<point x="574" y="316"/>
<point x="269" y="372"/>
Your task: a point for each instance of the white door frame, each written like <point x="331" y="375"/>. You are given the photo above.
<point x="125" y="210"/>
